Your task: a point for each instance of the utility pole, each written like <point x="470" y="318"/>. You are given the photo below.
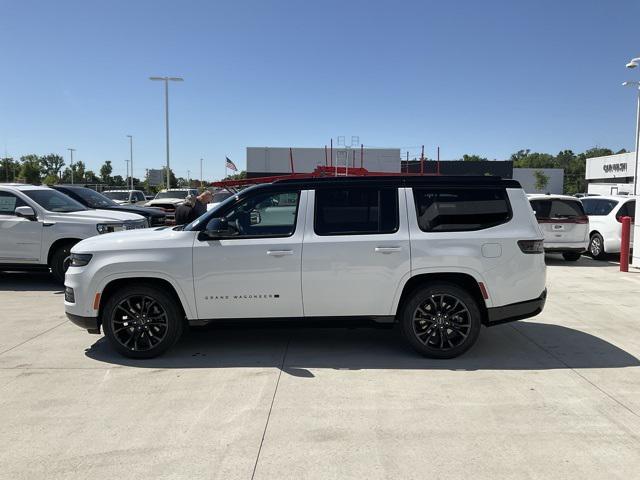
<point x="71" y="150"/>
<point x="130" y="137"/>
<point x="166" y="81"/>
<point x="201" y="178"/>
<point x="189" y="178"/>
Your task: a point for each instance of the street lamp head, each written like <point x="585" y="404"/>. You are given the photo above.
<point x="631" y="83"/>
<point x="632" y="65"/>
<point x="157" y="78"/>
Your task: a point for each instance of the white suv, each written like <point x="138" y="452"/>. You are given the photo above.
<point x="439" y="255"/>
<point x="39" y="225"/>
<point x="605" y="224"/>
<point x="168" y="200"/>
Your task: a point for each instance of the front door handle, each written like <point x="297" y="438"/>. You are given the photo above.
<point x="388" y="249"/>
<point x="279" y="253"/>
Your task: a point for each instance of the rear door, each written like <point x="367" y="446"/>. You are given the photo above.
<point x="355" y="251"/>
<point x="561" y="220"/>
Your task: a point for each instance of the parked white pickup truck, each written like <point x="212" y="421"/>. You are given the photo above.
<point x="39" y="225"/>
<point x="439" y="255"/>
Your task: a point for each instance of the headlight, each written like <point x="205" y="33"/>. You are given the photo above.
<point x="80" y="259"/>
<point x="110" y="227"/>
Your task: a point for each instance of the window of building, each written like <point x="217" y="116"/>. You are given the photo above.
<point x="452" y="209"/>
<point x="356" y="211"/>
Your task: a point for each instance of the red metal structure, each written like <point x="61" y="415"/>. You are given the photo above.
<point x="624" y="243"/>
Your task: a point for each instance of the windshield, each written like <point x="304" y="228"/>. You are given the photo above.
<point x="54" y="201"/>
<point x="117" y="195"/>
<point x="173" y="194"/>
<point x="93" y="198"/>
<point x="598" y="206"/>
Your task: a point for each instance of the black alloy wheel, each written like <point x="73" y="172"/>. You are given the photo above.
<point x="441" y="320"/>
<point x="142" y="322"/>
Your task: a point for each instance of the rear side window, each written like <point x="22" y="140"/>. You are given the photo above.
<point x="557" y="208"/>
<point x="627" y="210"/>
<point x="356" y="211"/>
<point x="598" y="206"/>
<point x="455" y="210"/>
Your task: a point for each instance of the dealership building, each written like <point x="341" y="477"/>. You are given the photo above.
<point x="611" y="174"/>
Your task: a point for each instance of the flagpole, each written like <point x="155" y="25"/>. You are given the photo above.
<point x="225" y="168"/>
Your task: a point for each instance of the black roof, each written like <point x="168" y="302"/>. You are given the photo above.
<point x="403" y="181"/>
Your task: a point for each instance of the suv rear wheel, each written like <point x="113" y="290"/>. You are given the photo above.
<point x="142" y="321"/>
<point x="596" y="246"/>
<point x="441" y="320"/>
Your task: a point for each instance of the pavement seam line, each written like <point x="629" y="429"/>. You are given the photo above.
<point x="273" y="399"/>
<point x="34" y="337"/>
<point x="576" y="372"/>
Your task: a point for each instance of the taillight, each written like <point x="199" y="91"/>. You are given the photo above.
<point x="583" y="220"/>
<point x="531" y="246"/>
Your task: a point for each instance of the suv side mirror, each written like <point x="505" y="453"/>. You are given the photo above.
<point x="25" y="212"/>
<point x="217" y="228"/>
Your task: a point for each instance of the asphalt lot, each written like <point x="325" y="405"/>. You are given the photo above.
<point x="557" y="396"/>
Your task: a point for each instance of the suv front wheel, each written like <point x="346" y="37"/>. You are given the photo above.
<point x="142" y="321"/>
<point x="441" y="320"/>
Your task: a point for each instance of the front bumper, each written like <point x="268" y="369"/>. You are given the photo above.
<point x="90" y="324"/>
<point x="516" y="311"/>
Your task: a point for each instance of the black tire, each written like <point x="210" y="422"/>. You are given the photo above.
<point x="596" y="247"/>
<point x="453" y="327"/>
<point x="571" y="256"/>
<point x="142" y="321"/>
<point x="60" y="261"/>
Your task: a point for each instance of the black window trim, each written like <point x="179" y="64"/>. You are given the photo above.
<point x="222" y="213"/>
<point x="454" y="187"/>
<point x="363" y="187"/>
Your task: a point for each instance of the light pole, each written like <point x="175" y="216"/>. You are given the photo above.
<point x="127" y="178"/>
<point x="131" y="157"/>
<point x="71" y="150"/>
<point x="166" y="81"/>
<point x="201" y="179"/>
<point x="633" y="63"/>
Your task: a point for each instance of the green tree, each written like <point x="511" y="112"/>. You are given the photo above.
<point x="237" y="176"/>
<point x="528" y="159"/>
<point x="542" y="180"/>
<point x="91" y="177"/>
<point x="473" y="158"/>
<point x="30" y="169"/>
<point x="51" y="164"/>
<point x="51" y="179"/>
<point x="118" y="180"/>
<point x="9" y="169"/>
<point x="105" y="172"/>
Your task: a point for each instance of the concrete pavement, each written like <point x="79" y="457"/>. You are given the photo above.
<point x="557" y="396"/>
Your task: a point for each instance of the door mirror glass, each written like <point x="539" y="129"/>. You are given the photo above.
<point x="26" y="212"/>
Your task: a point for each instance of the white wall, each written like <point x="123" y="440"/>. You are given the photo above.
<point x="610" y="188"/>
<point x="305" y="160"/>
<point x="610" y="166"/>
<point x="527" y="179"/>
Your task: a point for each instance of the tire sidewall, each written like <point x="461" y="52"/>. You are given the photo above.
<point x="57" y="261"/>
<point x="166" y="301"/>
<point x="602" y="253"/>
<point x="419" y="296"/>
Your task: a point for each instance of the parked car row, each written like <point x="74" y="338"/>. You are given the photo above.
<point x="573" y="226"/>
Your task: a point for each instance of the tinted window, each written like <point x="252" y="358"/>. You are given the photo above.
<point x="450" y="210"/>
<point x="9" y="202"/>
<point x="627" y="210"/>
<point x="122" y="196"/>
<point x="557" y="208"/>
<point x="265" y="215"/>
<point x="139" y="196"/>
<point x="356" y="211"/>
<point x="220" y="196"/>
<point x="598" y="206"/>
<point x="92" y="198"/>
<point x="54" y="201"/>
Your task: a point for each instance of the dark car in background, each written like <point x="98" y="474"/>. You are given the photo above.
<point x="92" y="199"/>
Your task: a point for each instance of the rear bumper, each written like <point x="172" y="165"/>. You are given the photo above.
<point x="516" y="311"/>
<point x="88" y="323"/>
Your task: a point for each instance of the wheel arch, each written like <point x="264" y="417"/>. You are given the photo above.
<point x="463" y="280"/>
<point x="59" y="243"/>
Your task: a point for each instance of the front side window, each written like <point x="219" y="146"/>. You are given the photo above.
<point x="460" y="209"/>
<point x="9" y="202"/>
<point x="94" y="199"/>
<point x="269" y="214"/>
<point x="54" y="201"/>
<point x="598" y="206"/>
<point x="356" y="211"/>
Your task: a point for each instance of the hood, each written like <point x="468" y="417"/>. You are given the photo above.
<point x="97" y="216"/>
<point x="143" y="239"/>
<point x="158" y="201"/>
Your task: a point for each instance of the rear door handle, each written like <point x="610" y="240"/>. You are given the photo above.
<point x="388" y="249"/>
<point x="279" y="253"/>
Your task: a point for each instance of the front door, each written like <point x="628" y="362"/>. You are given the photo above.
<point x="356" y="251"/>
<point x="255" y="271"/>
<point x="20" y="238"/>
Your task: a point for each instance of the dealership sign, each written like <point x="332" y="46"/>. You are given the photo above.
<point x="614" y="167"/>
<point x="610" y="166"/>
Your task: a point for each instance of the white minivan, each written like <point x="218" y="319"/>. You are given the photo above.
<point x="441" y="256"/>
<point x="39" y="225"/>
<point x="605" y="221"/>
<point x="564" y="224"/>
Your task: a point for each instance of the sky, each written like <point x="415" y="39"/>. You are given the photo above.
<point x="477" y="77"/>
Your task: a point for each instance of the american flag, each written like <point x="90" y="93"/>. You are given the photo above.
<point x="230" y="165"/>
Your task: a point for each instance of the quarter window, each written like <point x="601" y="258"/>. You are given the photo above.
<point x="356" y="211"/>
<point x="453" y="210"/>
<point x="265" y="215"/>
<point x="9" y="202"/>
